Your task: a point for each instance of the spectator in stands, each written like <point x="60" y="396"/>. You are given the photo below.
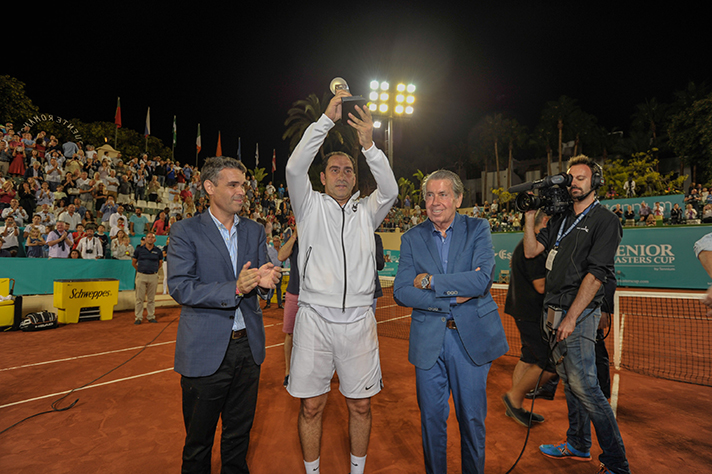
<point x="86" y="186"/>
<point x="105" y="241"/>
<point x="114" y="218"/>
<point x="35" y="171"/>
<point x="47" y="217"/>
<point x="123" y="249"/>
<point x="9" y="236"/>
<point x="644" y="211"/>
<point x="78" y="234"/>
<point x="7" y="194"/>
<point x="112" y="184"/>
<point x="618" y="211"/>
<point x="120" y="226"/>
<point x="60" y="241"/>
<point x="44" y="195"/>
<point x="125" y="190"/>
<point x="74" y="254"/>
<point x="154" y="186"/>
<point x="89" y="219"/>
<point x="17" y="166"/>
<point x="35" y="224"/>
<point x="19" y="215"/>
<point x="629" y="213"/>
<point x="189" y="207"/>
<point x="69" y="149"/>
<point x="160" y="225"/>
<point x="175" y="207"/>
<point x="5" y="158"/>
<point x="28" y="200"/>
<point x="140" y="184"/>
<point x="694" y="199"/>
<point x="100" y="195"/>
<point x="108" y="209"/>
<point x="138" y="223"/>
<point x="116" y="240"/>
<point x="53" y="174"/>
<point x="707" y="214"/>
<point x="71" y="217"/>
<point x="690" y="212"/>
<point x="90" y="247"/>
<point x="34" y="243"/>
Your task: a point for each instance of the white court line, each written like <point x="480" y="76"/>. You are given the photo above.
<point x="85" y="356"/>
<point x="88" y="386"/>
<point x="125" y="378"/>
<point x="614" y="394"/>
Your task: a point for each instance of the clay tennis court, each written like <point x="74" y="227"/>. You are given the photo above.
<point x="130" y="421"/>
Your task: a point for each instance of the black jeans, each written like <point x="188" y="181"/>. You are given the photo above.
<point x="230" y="394"/>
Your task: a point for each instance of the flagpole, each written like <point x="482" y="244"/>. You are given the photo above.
<point x="173" y="147"/>
<point x="198" y="146"/>
<point x="117" y="121"/>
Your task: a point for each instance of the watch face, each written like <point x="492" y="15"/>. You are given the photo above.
<point x="424" y="282"/>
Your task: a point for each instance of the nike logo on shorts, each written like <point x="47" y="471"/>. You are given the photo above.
<point x="370" y="386"/>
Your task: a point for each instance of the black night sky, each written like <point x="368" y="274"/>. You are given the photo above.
<point x="236" y="68"/>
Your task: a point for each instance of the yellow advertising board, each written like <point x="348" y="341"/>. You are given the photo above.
<point x="71" y="296"/>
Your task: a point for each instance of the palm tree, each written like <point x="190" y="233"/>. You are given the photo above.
<point x="557" y="115"/>
<point x="515" y="136"/>
<point x="304" y="112"/>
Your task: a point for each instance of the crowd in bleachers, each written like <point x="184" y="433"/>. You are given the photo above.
<point x="44" y="181"/>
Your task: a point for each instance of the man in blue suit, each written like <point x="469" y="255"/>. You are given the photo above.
<point x="217" y="263"/>
<point x="445" y="274"/>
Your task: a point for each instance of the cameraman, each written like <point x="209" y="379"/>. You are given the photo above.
<point x="580" y="245"/>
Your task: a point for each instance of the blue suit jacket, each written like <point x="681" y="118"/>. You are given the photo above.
<point x="478" y="321"/>
<point x="202" y="280"/>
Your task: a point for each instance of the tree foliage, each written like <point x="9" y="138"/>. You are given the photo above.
<point x="691" y="136"/>
<point x="642" y="168"/>
<point x="15" y="106"/>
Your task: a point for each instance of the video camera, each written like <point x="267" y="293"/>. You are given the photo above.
<point x="553" y="197"/>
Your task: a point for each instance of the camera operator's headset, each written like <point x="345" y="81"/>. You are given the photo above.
<point x="596" y="175"/>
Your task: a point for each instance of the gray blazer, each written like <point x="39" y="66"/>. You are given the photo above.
<point x="202" y="280"/>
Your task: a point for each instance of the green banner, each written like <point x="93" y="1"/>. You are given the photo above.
<point x="647" y="257"/>
<point x="35" y="276"/>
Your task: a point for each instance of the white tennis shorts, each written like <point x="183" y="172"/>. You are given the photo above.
<point x="321" y="347"/>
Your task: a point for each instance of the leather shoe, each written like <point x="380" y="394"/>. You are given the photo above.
<point x="267" y="306"/>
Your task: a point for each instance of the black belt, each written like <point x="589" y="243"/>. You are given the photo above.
<point x="450" y="324"/>
<point x="239" y="334"/>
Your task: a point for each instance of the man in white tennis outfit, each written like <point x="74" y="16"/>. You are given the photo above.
<point x="335" y="327"/>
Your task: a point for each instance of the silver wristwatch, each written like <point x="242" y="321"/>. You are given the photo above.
<point x="425" y="282"/>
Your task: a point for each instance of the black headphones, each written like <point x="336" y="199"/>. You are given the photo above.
<point x="596" y="175"/>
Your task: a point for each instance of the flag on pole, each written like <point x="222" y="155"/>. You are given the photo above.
<point x="147" y="132"/>
<point x="218" y="152"/>
<point x="175" y="132"/>
<point x="198" y="144"/>
<point x="274" y="160"/>
<point x="239" y="149"/>
<point x="257" y="155"/>
<point x="117" y="115"/>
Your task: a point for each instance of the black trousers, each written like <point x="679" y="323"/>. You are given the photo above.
<point x="229" y="394"/>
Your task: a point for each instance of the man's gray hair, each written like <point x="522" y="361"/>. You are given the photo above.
<point x="457" y="186"/>
<point x="213" y="166"/>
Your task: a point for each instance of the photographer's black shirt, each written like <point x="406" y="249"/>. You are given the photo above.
<point x="590" y="247"/>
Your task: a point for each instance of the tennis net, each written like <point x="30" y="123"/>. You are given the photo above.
<point x="665" y="334"/>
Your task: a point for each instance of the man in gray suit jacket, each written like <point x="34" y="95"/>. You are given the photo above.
<point x="445" y="274"/>
<point x="217" y="264"/>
